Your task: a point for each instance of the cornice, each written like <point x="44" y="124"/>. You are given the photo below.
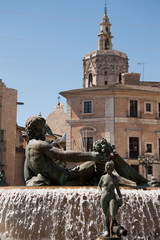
<point x="117" y="120"/>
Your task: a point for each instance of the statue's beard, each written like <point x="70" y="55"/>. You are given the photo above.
<point x="39" y="137"/>
<point x="38" y="134"/>
<point x="43" y="138"/>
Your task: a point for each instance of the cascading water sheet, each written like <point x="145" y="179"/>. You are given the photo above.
<point x="74" y="214"/>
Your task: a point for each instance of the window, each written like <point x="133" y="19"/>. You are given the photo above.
<point x="90" y="82"/>
<point x="88" y="144"/>
<point x="87" y="137"/>
<point x="88" y="107"/>
<point x="133" y="108"/>
<point x="106" y="44"/>
<point x="105" y="78"/>
<point x="133" y="147"/>
<point x="120" y="78"/>
<point x="148" y="107"/>
<point x="149" y="147"/>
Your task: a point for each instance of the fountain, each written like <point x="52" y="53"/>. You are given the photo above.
<point x="72" y="213"/>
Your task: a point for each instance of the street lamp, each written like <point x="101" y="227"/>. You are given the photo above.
<point x="146" y="161"/>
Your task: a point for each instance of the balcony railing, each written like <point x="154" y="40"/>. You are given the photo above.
<point x="135" y="115"/>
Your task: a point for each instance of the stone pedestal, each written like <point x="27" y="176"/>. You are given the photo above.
<point x="108" y="238"/>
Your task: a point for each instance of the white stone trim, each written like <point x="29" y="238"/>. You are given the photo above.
<point x="68" y="137"/>
<point x="134" y="129"/>
<point x="110" y="119"/>
<point x="158" y="112"/>
<point x="88" y="128"/>
<point x="117" y="120"/>
<point x="138" y="120"/>
<point x="155" y="98"/>
<point x="80" y="121"/>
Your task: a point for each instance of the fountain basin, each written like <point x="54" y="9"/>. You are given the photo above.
<point x="74" y="213"/>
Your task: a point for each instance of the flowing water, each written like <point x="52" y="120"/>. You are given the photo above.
<point x="74" y="214"/>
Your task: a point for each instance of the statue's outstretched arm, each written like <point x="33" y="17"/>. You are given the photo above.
<point x="69" y="156"/>
<point x="74" y="156"/>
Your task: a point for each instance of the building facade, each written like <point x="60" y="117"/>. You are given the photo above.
<point x="114" y="104"/>
<point x="11" y="143"/>
<point x="8" y="115"/>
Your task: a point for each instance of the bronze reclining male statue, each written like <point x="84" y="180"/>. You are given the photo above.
<point x="41" y="167"/>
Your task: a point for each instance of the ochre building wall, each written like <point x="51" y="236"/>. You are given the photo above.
<point x="8" y="125"/>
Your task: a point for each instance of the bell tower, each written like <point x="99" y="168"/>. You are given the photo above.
<point x="105" y="37"/>
<point x="105" y="65"/>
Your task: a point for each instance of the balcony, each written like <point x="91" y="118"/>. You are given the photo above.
<point x="137" y="114"/>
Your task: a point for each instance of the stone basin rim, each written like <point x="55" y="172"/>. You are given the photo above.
<point x="73" y="187"/>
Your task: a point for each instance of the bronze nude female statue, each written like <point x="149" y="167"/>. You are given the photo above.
<point x="109" y="202"/>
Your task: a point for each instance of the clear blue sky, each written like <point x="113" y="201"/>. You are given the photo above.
<point x="42" y="43"/>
